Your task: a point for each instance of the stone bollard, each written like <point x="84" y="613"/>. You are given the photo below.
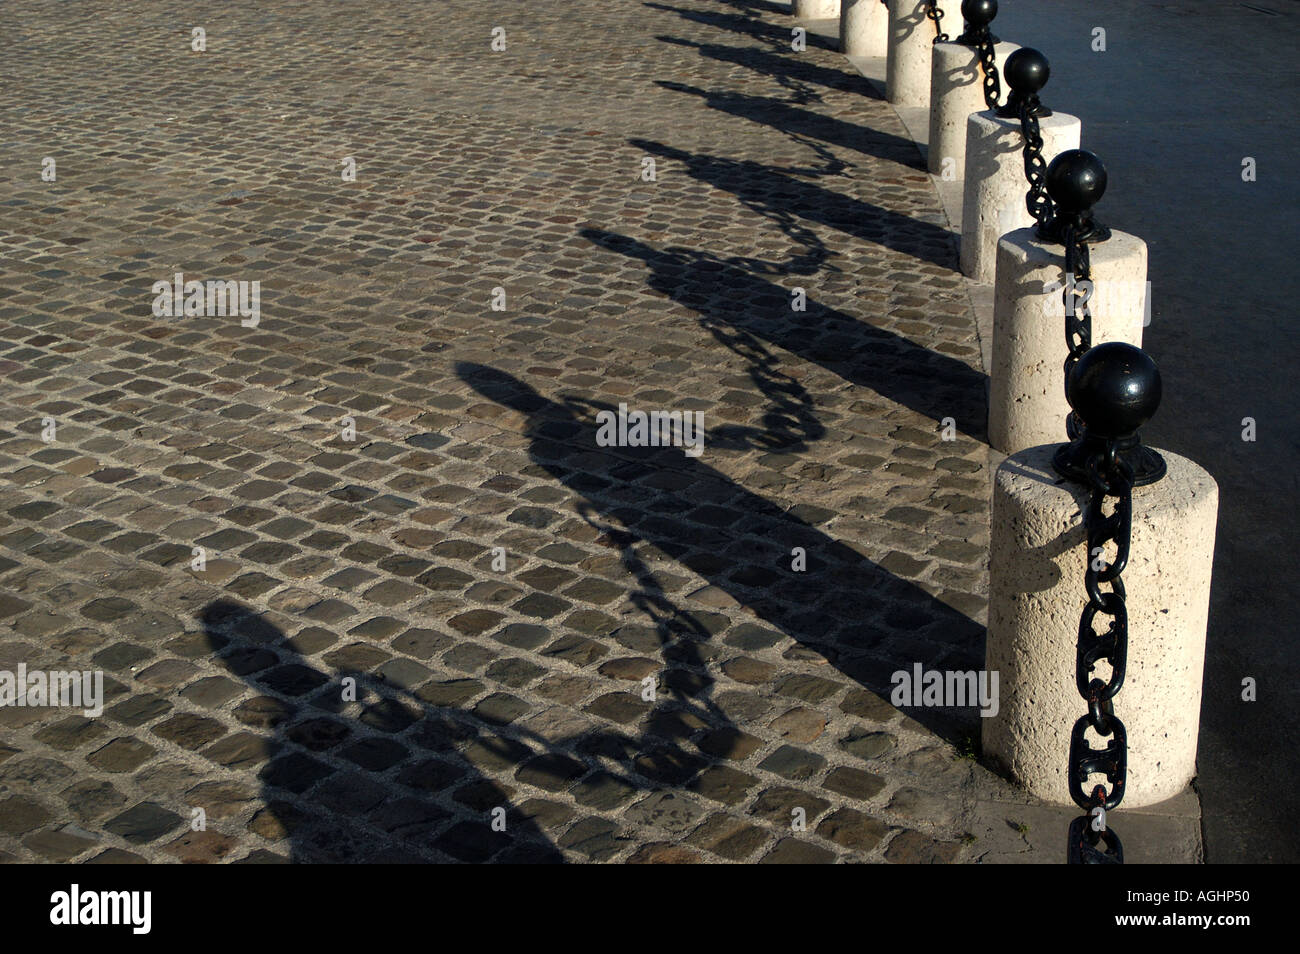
<point x="993" y="199"/>
<point x="1027" y="404"/>
<point x="957" y="92"/>
<point x="1036" y="598"/>
<point x="864" y="28"/>
<point x="911" y="40"/>
<point x="816" y="9"/>
<point x="1034" y="602"/>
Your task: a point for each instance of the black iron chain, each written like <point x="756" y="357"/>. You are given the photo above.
<point x="1076" y="297"/>
<point x="1037" y="200"/>
<point x="989" y="66"/>
<point x="1091" y="841"/>
<point x="935" y="14"/>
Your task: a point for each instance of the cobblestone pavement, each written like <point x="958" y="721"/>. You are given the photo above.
<point x="128" y="442"/>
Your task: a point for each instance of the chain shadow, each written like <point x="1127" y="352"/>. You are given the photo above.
<point x="727" y="294"/>
<point x="793" y="72"/>
<point x="905" y="26"/>
<point x="788" y="118"/>
<point x="848" y="610"/>
<point x="751" y="26"/>
<point x="766" y="187"/>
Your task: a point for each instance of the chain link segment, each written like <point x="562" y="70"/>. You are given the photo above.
<point x="1037" y="201"/>
<point x="1076" y="297"/>
<point x="934" y="13"/>
<point x="1090" y="841"/>
<point x="989" y="66"/>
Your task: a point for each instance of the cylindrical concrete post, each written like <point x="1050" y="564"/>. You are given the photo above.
<point x="1036" y="597"/>
<point x="993" y="199"/>
<point x="864" y="28"/>
<point x="911" y="39"/>
<point x="1027" y="404"/>
<point x="816" y="9"/>
<point x="957" y="91"/>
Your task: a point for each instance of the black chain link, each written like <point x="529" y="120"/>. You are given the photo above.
<point x="1037" y="201"/>
<point x="1075" y="296"/>
<point x="935" y="14"/>
<point x="1108" y="475"/>
<point x="989" y="66"/>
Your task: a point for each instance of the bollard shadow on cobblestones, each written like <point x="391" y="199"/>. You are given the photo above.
<point x="760" y="6"/>
<point x="859" y="617"/>
<point x="790" y="119"/>
<point x="376" y="780"/>
<point x="775" y="33"/>
<point x="389" y="777"/>
<point x="760" y="186"/>
<point x="800" y="76"/>
<point x="728" y="295"/>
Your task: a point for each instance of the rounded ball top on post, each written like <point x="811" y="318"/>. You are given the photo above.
<point x="1026" y="71"/>
<point x="979" y="13"/>
<point x="1115" y="389"/>
<point x="1076" y="181"/>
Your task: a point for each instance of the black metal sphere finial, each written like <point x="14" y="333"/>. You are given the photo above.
<point x="1076" y="181"/>
<point x="1026" y="72"/>
<point x="979" y="13"/>
<point x="1114" y="388"/>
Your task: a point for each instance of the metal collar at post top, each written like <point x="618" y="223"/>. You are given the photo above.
<point x="1026" y="72"/>
<point x="1114" y="389"/>
<point x="1076" y="181"/>
<point x="978" y="14"/>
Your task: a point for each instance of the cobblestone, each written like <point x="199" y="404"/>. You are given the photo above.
<point x="428" y="592"/>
